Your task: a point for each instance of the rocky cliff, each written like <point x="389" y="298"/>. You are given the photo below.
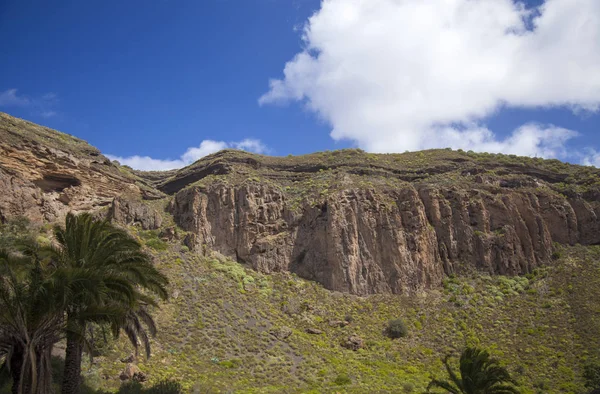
<point x="372" y="240"/>
<point x="367" y="223"/>
<point x="355" y="222"/>
<point x="45" y="173"/>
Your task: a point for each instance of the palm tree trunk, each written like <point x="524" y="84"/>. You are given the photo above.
<point x="16" y="364"/>
<point x="72" y="375"/>
<point x="24" y="378"/>
<point x="45" y="385"/>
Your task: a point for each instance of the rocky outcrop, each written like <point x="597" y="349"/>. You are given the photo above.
<point x="20" y="197"/>
<point x="44" y="174"/>
<point x="133" y="373"/>
<point x="354" y="342"/>
<point x="134" y="212"/>
<point x="397" y="240"/>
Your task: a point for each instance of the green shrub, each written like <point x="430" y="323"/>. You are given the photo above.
<point x="14" y="231"/>
<point x="342" y="380"/>
<point x="131" y="388"/>
<point x="230" y="363"/>
<point x="591" y="374"/>
<point x="157" y="244"/>
<point x="152" y="240"/>
<point x="165" y="387"/>
<point x="162" y="387"/>
<point x="396" y="329"/>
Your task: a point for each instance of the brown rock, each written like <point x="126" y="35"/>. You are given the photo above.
<point x="139" y="377"/>
<point x="134" y="212"/>
<point x="128" y="359"/>
<point x="191" y="241"/>
<point x="338" y="323"/>
<point x="44" y="174"/>
<point x="378" y="227"/>
<point x="354" y="342"/>
<point x="314" y="331"/>
<point x="133" y="373"/>
<point x="168" y="234"/>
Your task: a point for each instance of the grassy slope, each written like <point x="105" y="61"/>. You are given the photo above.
<point x="216" y="332"/>
<point x="17" y="131"/>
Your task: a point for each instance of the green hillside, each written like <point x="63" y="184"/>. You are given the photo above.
<point x="226" y="329"/>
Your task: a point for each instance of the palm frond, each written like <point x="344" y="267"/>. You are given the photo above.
<point x="442" y="384"/>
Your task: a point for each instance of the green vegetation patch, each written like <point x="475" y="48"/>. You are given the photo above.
<point x="224" y="332"/>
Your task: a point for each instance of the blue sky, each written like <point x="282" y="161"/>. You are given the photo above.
<point x="157" y="78"/>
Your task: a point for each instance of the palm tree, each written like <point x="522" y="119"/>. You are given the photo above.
<point x="30" y="323"/>
<point x="479" y="374"/>
<point x="103" y="276"/>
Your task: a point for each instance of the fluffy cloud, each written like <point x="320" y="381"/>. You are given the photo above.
<point x="528" y="140"/>
<point x="396" y="75"/>
<point x="192" y="154"/>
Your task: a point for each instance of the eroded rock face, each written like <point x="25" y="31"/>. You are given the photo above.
<point x="400" y="240"/>
<point x="134" y="212"/>
<point x="44" y="174"/>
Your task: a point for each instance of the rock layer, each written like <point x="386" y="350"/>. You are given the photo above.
<point x="44" y="174"/>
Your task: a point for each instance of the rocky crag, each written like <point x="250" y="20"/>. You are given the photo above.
<point x="353" y="221"/>
<point x="45" y="173"/>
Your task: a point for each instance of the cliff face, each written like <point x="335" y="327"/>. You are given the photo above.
<point x="351" y="242"/>
<point x="353" y="221"/>
<point x="369" y="241"/>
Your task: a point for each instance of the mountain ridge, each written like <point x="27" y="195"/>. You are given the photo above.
<point x="353" y="221"/>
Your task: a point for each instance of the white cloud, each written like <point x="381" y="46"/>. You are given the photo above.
<point x="146" y="163"/>
<point x="192" y="154"/>
<point x="205" y="148"/>
<point x="9" y="98"/>
<point x="250" y="145"/>
<point x="528" y="140"/>
<point x="395" y="75"/>
<point x="591" y="158"/>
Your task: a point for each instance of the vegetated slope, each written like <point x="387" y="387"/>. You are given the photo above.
<point x="231" y="329"/>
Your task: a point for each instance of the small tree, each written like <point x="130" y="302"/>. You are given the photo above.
<point x="396" y="329"/>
